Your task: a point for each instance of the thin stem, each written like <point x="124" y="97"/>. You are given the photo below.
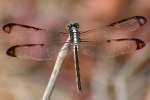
<point x="59" y="61"/>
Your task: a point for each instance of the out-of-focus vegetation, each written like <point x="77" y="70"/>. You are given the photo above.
<point x="124" y="77"/>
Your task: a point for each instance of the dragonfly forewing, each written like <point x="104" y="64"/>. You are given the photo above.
<point x="22" y="32"/>
<point x="8" y="28"/>
<point x="131" y="21"/>
<point x="128" y="25"/>
<point x="117" y="28"/>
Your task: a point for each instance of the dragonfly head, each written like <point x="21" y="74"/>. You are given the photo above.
<point x="73" y="24"/>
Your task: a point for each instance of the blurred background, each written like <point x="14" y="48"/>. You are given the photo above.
<point x="125" y="77"/>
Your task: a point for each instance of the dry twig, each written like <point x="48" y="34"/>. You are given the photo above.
<point x="60" y="58"/>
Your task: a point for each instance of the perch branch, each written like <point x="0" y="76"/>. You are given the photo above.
<point x="56" y="69"/>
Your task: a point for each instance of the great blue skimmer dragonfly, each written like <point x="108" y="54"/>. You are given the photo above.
<point x="107" y="36"/>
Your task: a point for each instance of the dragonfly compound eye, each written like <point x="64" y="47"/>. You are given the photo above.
<point x="76" y="25"/>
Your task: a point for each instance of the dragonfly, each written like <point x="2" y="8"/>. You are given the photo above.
<point x="43" y="51"/>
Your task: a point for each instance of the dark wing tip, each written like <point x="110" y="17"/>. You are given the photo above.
<point x="141" y="19"/>
<point x="140" y="44"/>
<point x="11" y="51"/>
<point x="7" y="27"/>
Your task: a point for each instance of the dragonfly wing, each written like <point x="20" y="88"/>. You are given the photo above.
<point x="36" y="52"/>
<point x="129" y="24"/>
<point x="8" y="28"/>
<point x="119" y="28"/>
<point x="114" y="40"/>
<point x="121" y="46"/>
<point x="22" y="32"/>
<point x="31" y="42"/>
<point x="112" y="47"/>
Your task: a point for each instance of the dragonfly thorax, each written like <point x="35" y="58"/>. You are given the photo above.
<point x="74" y="33"/>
